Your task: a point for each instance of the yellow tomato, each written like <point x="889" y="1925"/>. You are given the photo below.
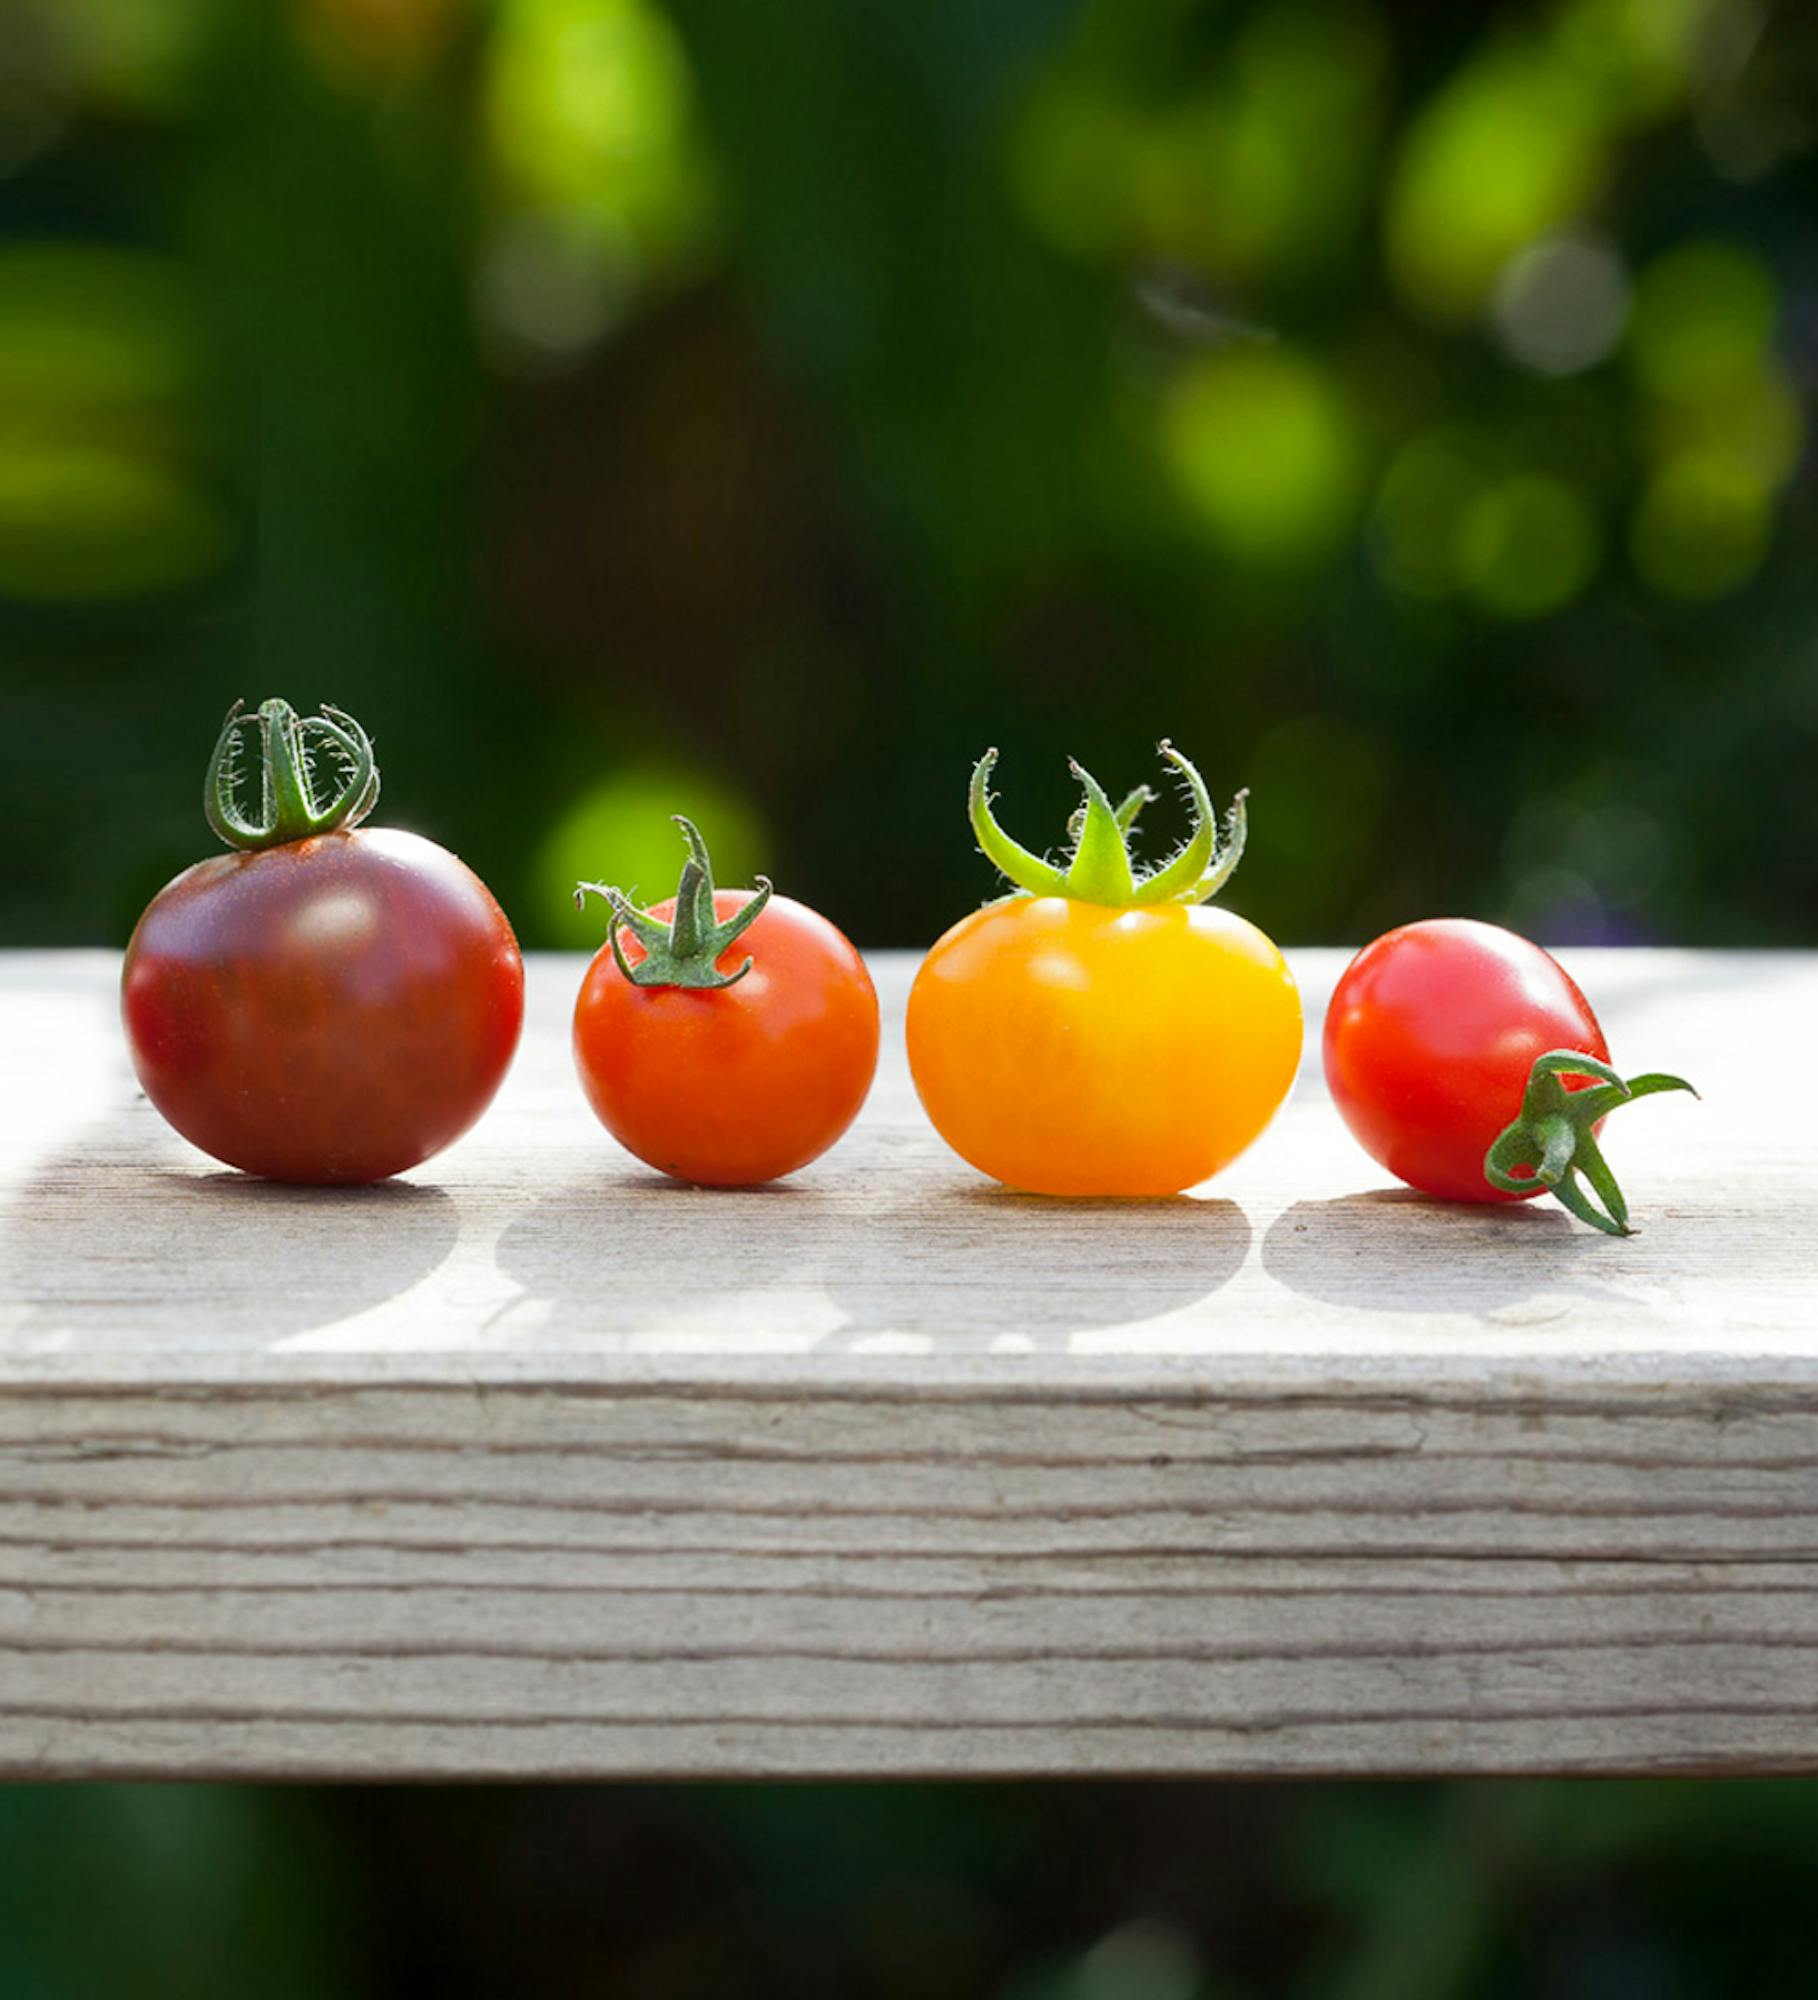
<point x="1078" y="1046"/>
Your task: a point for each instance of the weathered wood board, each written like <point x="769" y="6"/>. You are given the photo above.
<point x="537" y="1465"/>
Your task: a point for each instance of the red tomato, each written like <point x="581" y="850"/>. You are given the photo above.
<point x="729" y="1084"/>
<point x="1430" y="1038"/>
<point x="331" y="1008"/>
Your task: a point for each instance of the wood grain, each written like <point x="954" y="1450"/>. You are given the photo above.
<point x="537" y="1465"/>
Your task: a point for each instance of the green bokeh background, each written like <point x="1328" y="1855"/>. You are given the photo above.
<point x="1514" y="1891"/>
<point x="626" y="406"/>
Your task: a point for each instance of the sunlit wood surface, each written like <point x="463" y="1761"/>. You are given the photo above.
<point x="539" y="1465"/>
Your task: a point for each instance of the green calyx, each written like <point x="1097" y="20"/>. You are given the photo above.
<point x="686" y="949"/>
<point x="1553" y="1136"/>
<point x="1100" y="869"/>
<point x="292" y="750"/>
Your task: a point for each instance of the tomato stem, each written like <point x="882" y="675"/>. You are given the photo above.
<point x="290" y="808"/>
<point x="1100" y="869"/>
<point x="1554" y="1137"/>
<point x="684" y="949"/>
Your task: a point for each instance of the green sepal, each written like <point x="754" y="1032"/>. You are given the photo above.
<point x="684" y="950"/>
<point x="289" y="806"/>
<point x="1099" y="869"/>
<point x="1554" y="1135"/>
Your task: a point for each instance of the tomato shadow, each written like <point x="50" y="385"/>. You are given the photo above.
<point x="1395" y="1250"/>
<point x="972" y="1267"/>
<point x="945" y="1263"/>
<point x="99" y="1249"/>
<point x="628" y="1255"/>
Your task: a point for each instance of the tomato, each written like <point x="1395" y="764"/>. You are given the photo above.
<point x="731" y="1036"/>
<point x="1099" y="1033"/>
<point x="332" y="1007"/>
<point x="1429" y="1040"/>
<point x="1449" y="1040"/>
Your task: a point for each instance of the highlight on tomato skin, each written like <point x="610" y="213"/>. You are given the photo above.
<point x="1100" y="1031"/>
<point x="329" y="1003"/>
<point x="1450" y="1051"/>
<point x="726" y="1037"/>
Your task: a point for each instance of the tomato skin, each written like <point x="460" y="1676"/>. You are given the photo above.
<point x="1070" y="1048"/>
<point x="734" y="1085"/>
<point x="335" y="1009"/>
<point x="1430" y="1037"/>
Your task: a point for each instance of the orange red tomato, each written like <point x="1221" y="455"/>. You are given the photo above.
<point x="726" y="1037"/>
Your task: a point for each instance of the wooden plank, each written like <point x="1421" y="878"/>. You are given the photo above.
<point x="538" y="1465"/>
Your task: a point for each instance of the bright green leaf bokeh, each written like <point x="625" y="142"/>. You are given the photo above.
<point x="1263" y="449"/>
<point x="1509" y="147"/>
<point x="1701" y="529"/>
<point x="1703" y="321"/>
<point x="1527" y="546"/>
<point x="621" y="832"/>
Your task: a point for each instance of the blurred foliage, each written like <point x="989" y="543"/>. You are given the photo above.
<point x="1403" y="407"/>
<point x="1673" y="1890"/>
<point x="167" y="1893"/>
